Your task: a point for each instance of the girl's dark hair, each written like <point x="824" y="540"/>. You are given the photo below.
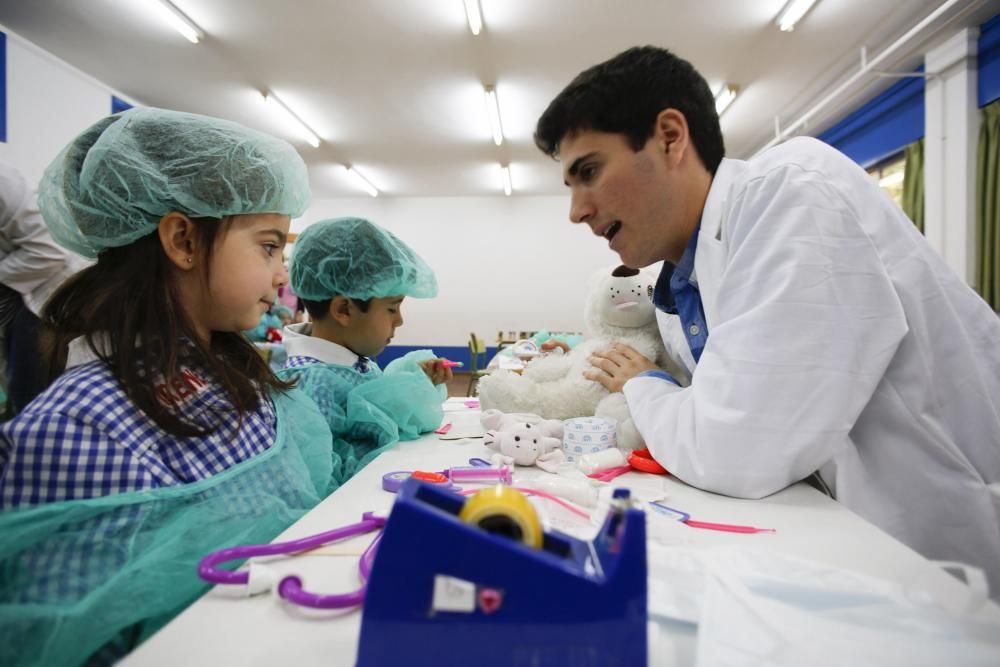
<point x="625" y="94"/>
<point x="129" y="310"/>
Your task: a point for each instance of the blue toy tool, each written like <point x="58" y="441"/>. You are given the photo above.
<point x="456" y="581"/>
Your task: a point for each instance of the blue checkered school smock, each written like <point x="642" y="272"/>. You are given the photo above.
<point x="84" y="438"/>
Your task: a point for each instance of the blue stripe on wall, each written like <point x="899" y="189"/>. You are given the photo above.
<point x="118" y="105"/>
<point x="3" y="86"/>
<point x="989" y="61"/>
<point x="883" y="126"/>
<point x="448" y="352"/>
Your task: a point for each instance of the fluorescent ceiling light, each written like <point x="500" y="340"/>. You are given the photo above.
<point x="793" y="13"/>
<point x="725" y="97"/>
<point x="505" y="174"/>
<point x="895" y="178"/>
<point x="362" y="181"/>
<point x="493" y="111"/>
<point x="293" y="122"/>
<point x="474" y="15"/>
<point x="179" y="21"/>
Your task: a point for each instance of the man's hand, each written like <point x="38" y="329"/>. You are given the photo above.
<point x="616" y="366"/>
<point x="436" y="370"/>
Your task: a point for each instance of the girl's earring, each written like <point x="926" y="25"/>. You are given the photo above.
<point x="190" y="260"/>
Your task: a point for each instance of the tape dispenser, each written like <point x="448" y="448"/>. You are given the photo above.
<point x="476" y="580"/>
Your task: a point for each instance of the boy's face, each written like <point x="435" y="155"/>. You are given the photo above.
<point x="369" y="333"/>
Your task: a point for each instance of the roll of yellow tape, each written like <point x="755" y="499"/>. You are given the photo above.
<point x="503" y="511"/>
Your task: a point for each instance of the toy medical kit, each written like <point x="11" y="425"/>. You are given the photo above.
<point x="600" y="461"/>
<point x="446" y="479"/>
<point x="259" y="578"/>
<point x="587" y="435"/>
<point x="476" y="581"/>
<point x="481" y="475"/>
<point x="685" y="518"/>
<point x="642" y="460"/>
<point x="393" y="481"/>
<point x="574" y="490"/>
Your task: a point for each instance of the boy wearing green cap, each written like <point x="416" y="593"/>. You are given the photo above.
<point x="353" y="276"/>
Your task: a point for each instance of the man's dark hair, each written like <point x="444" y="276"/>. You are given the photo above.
<point x="625" y="94"/>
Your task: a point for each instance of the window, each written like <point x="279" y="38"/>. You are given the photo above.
<point x="889" y="176"/>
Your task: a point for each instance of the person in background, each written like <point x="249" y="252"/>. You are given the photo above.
<point x="284" y="314"/>
<point x="32" y="266"/>
<point x="353" y="277"/>
<point x="167" y="436"/>
<point x="822" y="332"/>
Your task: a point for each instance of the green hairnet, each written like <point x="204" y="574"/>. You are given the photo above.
<point x="113" y="183"/>
<point x="355" y="258"/>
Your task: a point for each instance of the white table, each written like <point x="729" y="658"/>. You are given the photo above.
<point x="219" y="629"/>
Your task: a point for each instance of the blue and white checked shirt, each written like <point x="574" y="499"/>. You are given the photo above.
<point x="83" y="438"/>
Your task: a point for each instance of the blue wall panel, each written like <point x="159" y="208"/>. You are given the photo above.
<point x="448" y="352"/>
<point x="989" y="61"/>
<point x="883" y="126"/>
<point x="118" y="104"/>
<point x="3" y="86"/>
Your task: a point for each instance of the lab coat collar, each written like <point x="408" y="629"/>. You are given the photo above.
<point x="299" y="342"/>
<point x="711" y="258"/>
<point x="711" y="215"/>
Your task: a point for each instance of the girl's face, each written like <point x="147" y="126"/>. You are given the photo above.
<point x="246" y="271"/>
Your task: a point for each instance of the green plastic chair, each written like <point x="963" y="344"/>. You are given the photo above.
<point x="477" y="362"/>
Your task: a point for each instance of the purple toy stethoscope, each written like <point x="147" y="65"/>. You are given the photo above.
<point x="258" y="578"/>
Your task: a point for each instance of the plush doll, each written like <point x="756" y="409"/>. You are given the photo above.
<point x="523" y="439"/>
<point x="494" y="420"/>
<point x="619" y="308"/>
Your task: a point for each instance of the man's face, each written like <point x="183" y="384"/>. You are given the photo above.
<point x="632" y="198"/>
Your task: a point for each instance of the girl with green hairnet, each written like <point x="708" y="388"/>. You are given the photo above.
<point x="353" y="276"/>
<point x="166" y="435"/>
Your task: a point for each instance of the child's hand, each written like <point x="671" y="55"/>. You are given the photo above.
<point x="436" y="370"/>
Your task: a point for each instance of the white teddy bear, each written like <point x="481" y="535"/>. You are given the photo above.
<point x="620" y="308"/>
<point x="524" y="439"/>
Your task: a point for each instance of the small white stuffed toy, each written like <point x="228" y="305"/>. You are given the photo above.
<point x="523" y="439"/>
<point x="619" y="308"/>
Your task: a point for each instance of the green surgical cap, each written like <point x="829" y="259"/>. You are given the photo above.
<point x="357" y="259"/>
<point x="113" y="183"/>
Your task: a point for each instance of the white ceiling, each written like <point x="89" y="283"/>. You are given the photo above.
<point x="394" y="87"/>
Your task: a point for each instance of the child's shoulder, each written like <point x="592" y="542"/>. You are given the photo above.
<point x="87" y="389"/>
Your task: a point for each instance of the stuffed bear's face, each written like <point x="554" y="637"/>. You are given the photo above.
<point x="624" y="299"/>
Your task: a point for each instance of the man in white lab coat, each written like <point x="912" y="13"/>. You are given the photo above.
<point x="821" y="331"/>
<point x="32" y="266"/>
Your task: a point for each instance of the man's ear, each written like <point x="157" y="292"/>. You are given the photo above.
<point x="341" y="310"/>
<point x="179" y="239"/>
<point x="671" y="131"/>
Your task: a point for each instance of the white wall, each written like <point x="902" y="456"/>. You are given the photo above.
<point x="502" y="263"/>
<point x="48" y="103"/>
<point x="951" y="137"/>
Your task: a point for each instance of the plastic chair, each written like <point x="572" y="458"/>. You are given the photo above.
<point x="477" y="362"/>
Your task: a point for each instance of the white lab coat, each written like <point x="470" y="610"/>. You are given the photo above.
<point x="839" y="341"/>
<point x="30" y="261"/>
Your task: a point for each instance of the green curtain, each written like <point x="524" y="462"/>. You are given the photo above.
<point x="913" y="183"/>
<point x="988" y="207"/>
